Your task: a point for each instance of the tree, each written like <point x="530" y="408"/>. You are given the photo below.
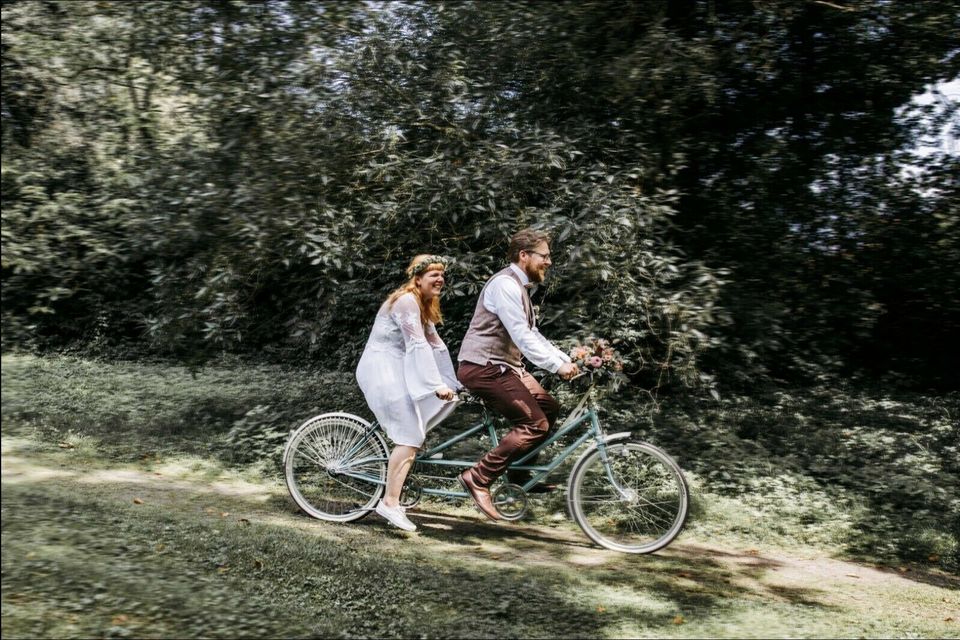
<point x="255" y="175"/>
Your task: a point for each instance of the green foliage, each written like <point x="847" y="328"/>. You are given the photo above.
<point x="721" y="180"/>
<point x="238" y="410"/>
<point x="785" y="132"/>
<point x="260" y="434"/>
<point x="862" y="472"/>
<point x="873" y="472"/>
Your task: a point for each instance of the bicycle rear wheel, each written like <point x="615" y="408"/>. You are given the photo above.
<point x="646" y="508"/>
<point x="335" y="467"/>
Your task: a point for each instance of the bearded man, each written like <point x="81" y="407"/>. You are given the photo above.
<point x="502" y="331"/>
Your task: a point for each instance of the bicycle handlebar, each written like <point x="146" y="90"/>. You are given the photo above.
<point x="464" y="395"/>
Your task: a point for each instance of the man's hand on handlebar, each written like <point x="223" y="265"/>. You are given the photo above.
<point x="567" y="370"/>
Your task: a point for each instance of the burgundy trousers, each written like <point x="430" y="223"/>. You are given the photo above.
<point x="520" y="398"/>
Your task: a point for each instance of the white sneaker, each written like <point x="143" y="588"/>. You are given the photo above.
<point x="395" y="516"/>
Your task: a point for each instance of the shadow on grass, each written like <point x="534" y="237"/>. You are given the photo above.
<point x="276" y="573"/>
<point x="915" y="574"/>
<point x="886" y="464"/>
<point x="683" y="577"/>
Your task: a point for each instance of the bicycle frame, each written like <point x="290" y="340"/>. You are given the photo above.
<point x="625" y="494"/>
<point x="584" y="412"/>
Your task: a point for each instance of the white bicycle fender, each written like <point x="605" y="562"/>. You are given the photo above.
<point x="613" y="437"/>
<point x="333" y="414"/>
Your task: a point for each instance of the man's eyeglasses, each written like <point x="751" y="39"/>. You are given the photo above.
<point x="545" y="256"/>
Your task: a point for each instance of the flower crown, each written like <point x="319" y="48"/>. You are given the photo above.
<point x="421" y="266"/>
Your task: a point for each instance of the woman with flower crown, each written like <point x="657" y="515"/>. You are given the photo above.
<point x="406" y="374"/>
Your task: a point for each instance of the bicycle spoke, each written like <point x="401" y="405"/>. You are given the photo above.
<point x="350" y="486"/>
<point x="317" y="458"/>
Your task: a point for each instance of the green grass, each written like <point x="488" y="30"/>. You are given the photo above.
<point x="134" y="505"/>
<point x="866" y="473"/>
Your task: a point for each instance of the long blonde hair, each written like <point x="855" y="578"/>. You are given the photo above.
<point x="429" y="312"/>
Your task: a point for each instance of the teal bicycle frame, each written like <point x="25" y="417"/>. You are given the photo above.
<point x="625" y="494"/>
<point x="585" y="412"/>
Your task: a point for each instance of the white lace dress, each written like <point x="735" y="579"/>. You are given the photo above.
<point x="401" y="368"/>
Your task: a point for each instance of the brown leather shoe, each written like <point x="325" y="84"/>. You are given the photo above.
<point x="480" y="495"/>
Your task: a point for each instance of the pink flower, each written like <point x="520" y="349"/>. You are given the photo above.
<point x="595" y="361"/>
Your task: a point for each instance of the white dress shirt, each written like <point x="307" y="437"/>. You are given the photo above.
<point x="504" y="298"/>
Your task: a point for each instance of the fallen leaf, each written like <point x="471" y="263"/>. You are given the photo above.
<point x="137" y="501"/>
<point x="120" y="618"/>
<point x="224" y="514"/>
<point x="601" y="608"/>
<point x="678" y="620"/>
<point x="160" y="547"/>
<point x="948" y="619"/>
<point x="934" y="557"/>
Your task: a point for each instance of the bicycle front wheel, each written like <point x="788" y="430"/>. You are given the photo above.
<point x="335" y="467"/>
<point x="637" y="504"/>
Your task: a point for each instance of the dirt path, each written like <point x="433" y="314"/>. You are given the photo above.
<point x="923" y="604"/>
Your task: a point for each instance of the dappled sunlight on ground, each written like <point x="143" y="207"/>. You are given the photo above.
<point x="690" y="575"/>
<point x="179" y="475"/>
<point x="15" y="470"/>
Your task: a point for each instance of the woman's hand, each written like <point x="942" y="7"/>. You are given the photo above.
<point x="444" y="393"/>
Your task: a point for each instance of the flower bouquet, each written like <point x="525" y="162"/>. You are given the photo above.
<point x="597" y="357"/>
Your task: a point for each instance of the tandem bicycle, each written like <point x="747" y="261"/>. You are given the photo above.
<point x="625" y="494"/>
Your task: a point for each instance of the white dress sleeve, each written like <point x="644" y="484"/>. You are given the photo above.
<point x="442" y="357"/>
<point x="420" y="371"/>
